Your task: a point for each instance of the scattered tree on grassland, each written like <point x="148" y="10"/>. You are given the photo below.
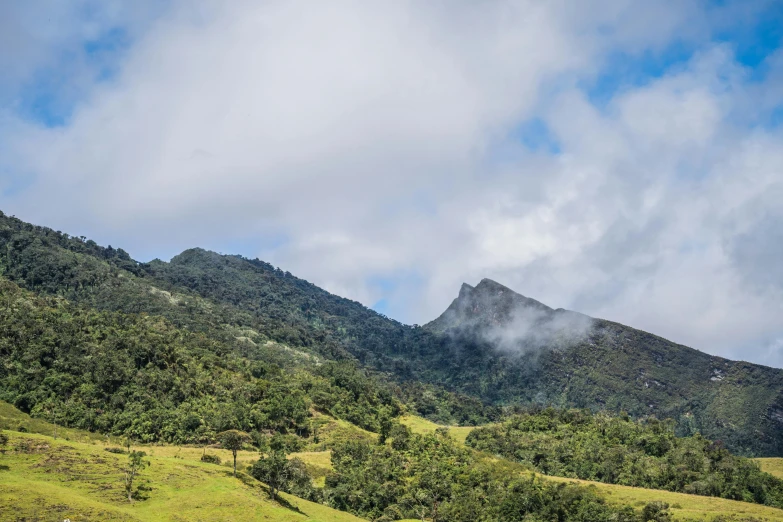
<point x="233" y="440"/>
<point x="136" y="463"/>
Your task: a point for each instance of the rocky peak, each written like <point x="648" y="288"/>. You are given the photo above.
<point x="487" y="304"/>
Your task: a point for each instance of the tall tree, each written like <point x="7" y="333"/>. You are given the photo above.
<point x="233" y="440"/>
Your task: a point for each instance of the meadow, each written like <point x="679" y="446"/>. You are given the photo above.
<point x="46" y="479"/>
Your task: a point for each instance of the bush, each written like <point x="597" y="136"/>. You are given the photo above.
<point x="212" y="459"/>
<point x="118" y="451"/>
<point x="656" y="512"/>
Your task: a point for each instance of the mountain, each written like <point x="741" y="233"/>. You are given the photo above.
<point x="492" y="349"/>
<point x="527" y="352"/>
<point x="510" y="321"/>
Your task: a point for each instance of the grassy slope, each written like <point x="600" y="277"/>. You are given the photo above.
<point x="14" y="420"/>
<point x="773" y="466"/>
<point x="44" y="479"/>
<point x="682" y="505"/>
<point x="421" y="425"/>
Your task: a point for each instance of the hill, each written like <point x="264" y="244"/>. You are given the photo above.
<point x="525" y="352"/>
<point x="36" y="483"/>
<point x="492" y="349"/>
<point x="44" y="479"/>
<point x="426" y="476"/>
<point x="618" y="450"/>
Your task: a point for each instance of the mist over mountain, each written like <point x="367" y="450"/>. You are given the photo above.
<point x="509" y="321"/>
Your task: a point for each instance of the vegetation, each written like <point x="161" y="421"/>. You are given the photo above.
<point x="212" y="348"/>
<point x="618" y="450"/>
<point x="447" y="373"/>
<point x="281" y="473"/>
<point x="177" y="487"/>
<point x="432" y="477"/>
<point x="682" y="506"/>
<point x="138" y="376"/>
<point x="233" y="440"/>
<point x="136" y="463"/>
<point x="57" y="480"/>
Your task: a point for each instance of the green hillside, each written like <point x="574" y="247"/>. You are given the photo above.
<point x="683" y="507"/>
<point x="43" y="479"/>
<point x="618" y="450"/>
<point x="139" y="376"/>
<point x="167" y="356"/>
<point x="453" y="372"/>
<point x="36" y="485"/>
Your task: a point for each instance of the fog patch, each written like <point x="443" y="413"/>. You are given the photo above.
<point x="509" y="322"/>
<point x="532" y="329"/>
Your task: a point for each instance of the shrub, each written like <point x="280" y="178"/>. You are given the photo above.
<point x="212" y="459"/>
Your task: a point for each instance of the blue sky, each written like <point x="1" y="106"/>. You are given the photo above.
<point x="617" y="157"/>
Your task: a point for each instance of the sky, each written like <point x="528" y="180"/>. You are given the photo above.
<point x="619" y="158"/>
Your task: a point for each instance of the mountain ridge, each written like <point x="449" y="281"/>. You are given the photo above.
<point x="479" y="357"/>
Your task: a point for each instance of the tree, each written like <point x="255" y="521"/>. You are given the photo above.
<point x="280" y="473"/>
<point x="400" y="436"/>
<point x="3" y="441"/>
<point x="233" y="440"/>
<point x="272" y="470"/>
<point x="656" y="512"/>
<point x="385" y="423"/>
<point x="136" y="463"/>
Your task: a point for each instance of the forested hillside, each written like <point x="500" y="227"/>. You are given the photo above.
<point x="618" y="450"/>
<point x="137" y="375"/>
<point x="452" y="371"/>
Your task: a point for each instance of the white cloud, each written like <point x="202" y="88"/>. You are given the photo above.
<point x="378" y="139"/>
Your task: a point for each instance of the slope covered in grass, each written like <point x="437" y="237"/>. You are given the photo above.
<point x="772" y="465"/>
<point x="683" y="507"/>
<point x="44" y="479"/>
<point x="421" y="425"/>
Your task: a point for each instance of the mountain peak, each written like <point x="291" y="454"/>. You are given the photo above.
<point x="465" y="291"/>
<point x="490" y="284"/>
<point x="488" y="303"/>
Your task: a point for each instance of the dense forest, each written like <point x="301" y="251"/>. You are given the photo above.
<point x="137" y="375"/>
<point x="431" y="477"/>
<point x="106" y="279"/>
<point x="618" y="450"/>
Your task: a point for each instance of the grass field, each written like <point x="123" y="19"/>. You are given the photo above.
<point x="421" y="425"/>
<point x="773" y="466"/>
<point x="44" y="479"/>
<point x="682" y="506"/>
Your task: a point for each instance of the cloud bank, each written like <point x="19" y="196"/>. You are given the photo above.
<point x="614" y="157"/>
